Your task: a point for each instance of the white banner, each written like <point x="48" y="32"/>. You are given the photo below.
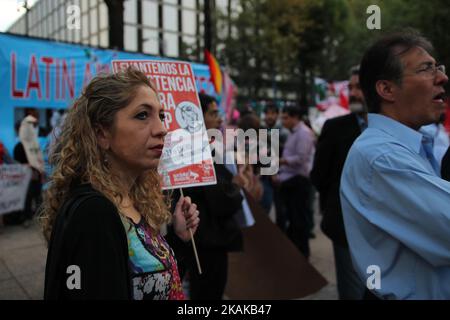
<point x="14" y="181"/>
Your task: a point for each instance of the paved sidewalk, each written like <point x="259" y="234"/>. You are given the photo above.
<point x="322" y="259"/>
<point x="23" y="254"/>
<point x="22" y="263"/>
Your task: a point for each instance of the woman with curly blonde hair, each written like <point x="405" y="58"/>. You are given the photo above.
<point x="104" y="208"/>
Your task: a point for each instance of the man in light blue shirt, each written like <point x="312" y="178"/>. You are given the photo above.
<point x="396" y="207"/>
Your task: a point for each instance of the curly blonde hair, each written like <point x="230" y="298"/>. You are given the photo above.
<point x="77" y="157"/>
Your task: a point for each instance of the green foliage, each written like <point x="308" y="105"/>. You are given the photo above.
<point x="291" y="41"/>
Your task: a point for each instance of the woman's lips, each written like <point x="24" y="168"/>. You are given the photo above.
<point x="157" y="149"/>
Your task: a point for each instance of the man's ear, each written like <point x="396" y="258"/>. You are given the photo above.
<point x="386" y="90"/>
<point x="103" y="137"/>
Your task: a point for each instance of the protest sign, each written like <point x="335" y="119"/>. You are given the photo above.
<point x="186" y="160"/>
<point x="14" y="181"/>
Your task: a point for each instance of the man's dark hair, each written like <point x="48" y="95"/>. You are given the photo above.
<point x="354" y="71"/>
<point x="249" y="121"/>
<point x="205" y="101"/>
<point x="293" y="111"/>
<point x="382" y="62"/>
<point x="271" y="107"/>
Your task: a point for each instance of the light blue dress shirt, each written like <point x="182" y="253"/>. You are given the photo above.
<point x="441" y="139"/>
<point x="397" y="211"/>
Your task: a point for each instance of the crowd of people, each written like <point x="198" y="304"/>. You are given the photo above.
<point x="381" y="174"/>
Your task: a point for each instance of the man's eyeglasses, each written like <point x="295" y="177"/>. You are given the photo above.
<point x="430" y="70"/>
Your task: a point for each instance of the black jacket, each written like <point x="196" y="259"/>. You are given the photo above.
<point x="445" y="166"/>
<point x="338" y="135"/>
<point x="19" y="153"/>
<point x="218" y="204"/>
<point x="89" y="233"/>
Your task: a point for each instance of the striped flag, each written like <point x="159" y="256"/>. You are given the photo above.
<point x="214" y="69"/>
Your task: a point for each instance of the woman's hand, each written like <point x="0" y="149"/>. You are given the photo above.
<point x="242" y="179"/>
<point x="185" y="217"/>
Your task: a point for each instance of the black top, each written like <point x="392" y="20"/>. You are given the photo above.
<point x="336" y="138"/>
<point x="19" y="153"/>
<point x="89" y="234"/>
<point x="445" y="166"/>
<point x="218" y="204"/>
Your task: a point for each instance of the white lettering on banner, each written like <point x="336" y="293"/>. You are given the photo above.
<point x="14" y="181"/>
<point x="167" y="101"/>
<point x="184" y="70"/>
<point x="180" y="84"/>
<point x="154" y="68"/>
<point x="167" y="119"/>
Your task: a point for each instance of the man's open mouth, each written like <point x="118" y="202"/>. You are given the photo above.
<point x="439" y="98"/>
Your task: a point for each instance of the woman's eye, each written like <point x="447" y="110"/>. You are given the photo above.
<point x="142" y="115"/>
<point x="162" y="117"/>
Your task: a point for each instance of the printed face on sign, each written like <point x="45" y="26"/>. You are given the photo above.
<point x="188" y="116"/>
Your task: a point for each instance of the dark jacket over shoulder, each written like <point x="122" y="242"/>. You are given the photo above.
<point x="218" y="205"/>
<point x="445" y="166"/>
<point x="88" y="234"/>
<point x="338" y="135"/>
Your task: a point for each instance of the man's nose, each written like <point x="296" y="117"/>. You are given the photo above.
<point x="441" y="78"/>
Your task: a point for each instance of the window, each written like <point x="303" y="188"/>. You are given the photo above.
<point x="130" y="38"/>
<point x="150" y="14"/>
<point x="104" y="40"/>
<point x="170" y="18"/>
<point x="94" y="20"/>
<point x="171" y="45"/>
<point x="189" y="21"/>
<point x="84" y="26"/>
<point x="150" y="44"/>
<point x="130" y="10"/>
<point x="94" y="40"/>
<point x="103" y="16"/>
<point x="189" y="4"/>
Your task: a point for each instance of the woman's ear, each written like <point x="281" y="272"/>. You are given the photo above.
<point x="386" y="90"/>
<point x="103" y="137"/>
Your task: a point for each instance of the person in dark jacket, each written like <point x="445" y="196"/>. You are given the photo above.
<point x="104" y="208"/>
<point x="28" y="137"/>
<point x="218" y="232"/>
<point x="336" y="138"/>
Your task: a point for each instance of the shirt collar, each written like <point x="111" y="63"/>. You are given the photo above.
<point x="361" y="121"/>
<point x="409" y="137"/>
<point x="294" y="129"/>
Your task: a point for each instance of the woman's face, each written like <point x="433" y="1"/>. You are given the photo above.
<point x="136" y="138"/>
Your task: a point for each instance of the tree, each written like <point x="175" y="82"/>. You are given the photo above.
<point x="262" y="43"/>
<point x="284" y="44"/>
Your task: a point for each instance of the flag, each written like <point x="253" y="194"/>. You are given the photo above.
<point x="227" y="99"/>
<point x="214" y="69"/>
